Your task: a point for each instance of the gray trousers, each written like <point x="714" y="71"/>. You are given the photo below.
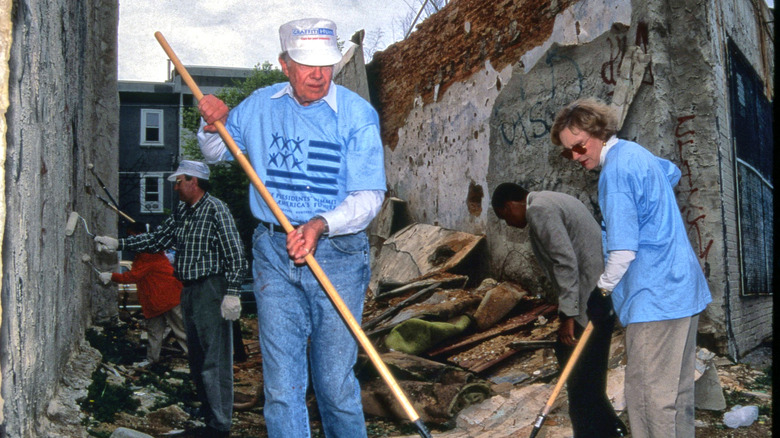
<point x="210" y="342"/>
<point x="659" y="378"/>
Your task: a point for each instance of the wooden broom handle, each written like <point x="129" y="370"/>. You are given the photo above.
<point x="279" y="215"/>
<point x="567" y="369"/>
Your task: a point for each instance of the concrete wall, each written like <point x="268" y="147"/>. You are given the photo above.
<point x="62" y="116"/>
<point x="455" y="124"/>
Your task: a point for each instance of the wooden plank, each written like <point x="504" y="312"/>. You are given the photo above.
<point x="421" y="295"/>
<point x="515" y="347"/>
<point x="446" y="280"/>
<point x="482" y="366"/>
<point x="418" y="251"/>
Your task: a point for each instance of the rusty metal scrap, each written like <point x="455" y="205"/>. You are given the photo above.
<point x="437" y="391"/>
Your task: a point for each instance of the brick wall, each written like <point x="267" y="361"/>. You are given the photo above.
<point x="451" y="46"/>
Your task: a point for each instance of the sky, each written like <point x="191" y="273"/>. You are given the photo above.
<point x="240" y="33"/>
<point x="237" y="33"/>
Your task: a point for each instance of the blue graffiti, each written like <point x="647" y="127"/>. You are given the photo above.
<point x="534" y="121"/>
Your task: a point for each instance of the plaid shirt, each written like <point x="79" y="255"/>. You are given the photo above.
<point x="206" y="240"/>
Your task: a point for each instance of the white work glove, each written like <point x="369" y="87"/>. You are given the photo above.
<point x="231" y="307"/>
<point x="105" y="278"/>
<point x="106" y="244"/>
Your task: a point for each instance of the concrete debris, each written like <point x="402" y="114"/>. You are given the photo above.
<point x="63" y="414"/>
<point x="510" y="416"/>
<point x="418" y="251"/>
<point x="703" y="358"/>
<point x="172" y="415"/>
<point x="708" y="392"/>
<point x="498" y="302"/>
<point x="149" y="397"/>
<point x="511" y="376"/>
<point x="393" y="216"/>
<point x="123" y="432"/>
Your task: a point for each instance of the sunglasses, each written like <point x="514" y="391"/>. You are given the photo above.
<point x="579" y="148"/>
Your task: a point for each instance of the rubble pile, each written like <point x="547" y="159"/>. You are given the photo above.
<point x="472" y="354"/>
<point x="468" y="338"/>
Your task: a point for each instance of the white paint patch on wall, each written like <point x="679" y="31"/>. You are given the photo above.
<point x="443" y="149"/>
<point x="579" y="24"/>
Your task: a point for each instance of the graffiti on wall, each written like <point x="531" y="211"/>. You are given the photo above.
<point x="617" y="52"/>
<point x="535" y="118"/>
<point x="692" y="212"/>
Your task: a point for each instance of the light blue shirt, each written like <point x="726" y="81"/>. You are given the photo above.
<point x="310" y="158"/>
<point x="640" y="211"/>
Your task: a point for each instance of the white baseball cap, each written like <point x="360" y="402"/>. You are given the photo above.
<point x="310" y="41"/>
<point x="191" y="168"/>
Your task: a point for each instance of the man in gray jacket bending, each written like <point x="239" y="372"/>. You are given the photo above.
<point x="566" y="241"/>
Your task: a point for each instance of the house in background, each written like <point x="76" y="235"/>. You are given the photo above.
<point x="150" y="119"/>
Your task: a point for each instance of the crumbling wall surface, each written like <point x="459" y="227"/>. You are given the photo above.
<point x="5" y="48"/>
<point x="471" y="127"/>
<point x="437" y="94"/>
<point x="674" y="118"/>
<point x="62" y="116"/>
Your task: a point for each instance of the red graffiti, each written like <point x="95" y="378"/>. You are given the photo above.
<point x="617" y="51"/>
<point x="686" y="136"/>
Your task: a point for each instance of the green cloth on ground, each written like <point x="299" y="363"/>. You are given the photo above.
<point x="415" y="336"/>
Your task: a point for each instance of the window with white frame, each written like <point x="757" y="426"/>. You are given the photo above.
<point x="151" y="127"/>
<point x="152" y="185"/>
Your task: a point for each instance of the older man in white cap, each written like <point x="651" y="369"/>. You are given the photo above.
<point x="210" y="264"/>
<point x="316" y="145"/>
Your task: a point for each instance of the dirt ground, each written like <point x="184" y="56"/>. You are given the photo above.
<point x="165" y="394"/>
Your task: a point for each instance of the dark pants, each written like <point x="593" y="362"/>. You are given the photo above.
<point x="592" y="415"/>
<point x="209" y="337"/>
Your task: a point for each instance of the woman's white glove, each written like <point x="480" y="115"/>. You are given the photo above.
<point x="105" y="278"/>
<point x="231" y="307"/>
<point x="106" y="244"/>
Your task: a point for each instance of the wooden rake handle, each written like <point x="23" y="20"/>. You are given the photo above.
<point x="313" y="265"/>
<point x="569" y="365"/>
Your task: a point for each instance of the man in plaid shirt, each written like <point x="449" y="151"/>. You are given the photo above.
<point x="210" y="264"/>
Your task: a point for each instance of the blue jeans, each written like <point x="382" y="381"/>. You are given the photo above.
<point x="294" y="313"/>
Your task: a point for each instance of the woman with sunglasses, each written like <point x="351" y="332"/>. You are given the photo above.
<point x="657" y="286"/>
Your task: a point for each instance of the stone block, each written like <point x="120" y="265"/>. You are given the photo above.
<point x="123" y="432"/>
<point x="496" y="304"/>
